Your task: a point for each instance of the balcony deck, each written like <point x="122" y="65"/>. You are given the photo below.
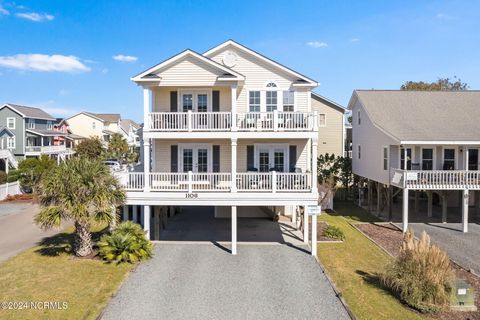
<point x="227" y="121"/>
<point x="38" y="150"/>
<point x="435" y="179"/>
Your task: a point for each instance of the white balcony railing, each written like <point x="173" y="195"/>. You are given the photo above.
<point x="436" y="179"/>
<point x="217" y="182"/>
<point x="224" y="121"/>
<point x="46" y="149"/>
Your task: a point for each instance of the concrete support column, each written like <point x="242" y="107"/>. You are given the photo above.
<point x="234" y="230"/>
<point x="234" y="164"/>
<point x="314" y="166"/>
<point x="429" y="204"/>
<point x="305" y="224"/>
<point x="314" y="235"/>
<point x="444" y="207"/>
<point x="405" y="210"/>
<point x="465" y="210"/>
<point x="135" y="213"/>
<point x="146" y="221"/>
<point x="125" y="213"/>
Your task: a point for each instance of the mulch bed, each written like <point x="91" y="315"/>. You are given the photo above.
<point x="390" y="238"/>
<point x="19" y="198"/>
<point x="321" y="226"/>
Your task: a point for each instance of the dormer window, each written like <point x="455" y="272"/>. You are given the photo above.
<point x="31" y="123"/>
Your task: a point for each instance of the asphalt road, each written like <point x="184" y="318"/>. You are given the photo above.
<point x="204" y="281"/>
<point x="17" y="230"/>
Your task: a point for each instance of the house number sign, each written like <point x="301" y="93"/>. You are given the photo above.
<point x="191" y="195"/>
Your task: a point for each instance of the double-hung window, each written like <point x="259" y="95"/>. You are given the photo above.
<point x="288" y="101"/>
<point x="271" y="101"/>
<point x="427" y="159"/>
<point x="448" y="159"/>
<point x="31" y="123"/>
<point x="49" y="125"/>
<point x="11" y="123"/>
<point x="322" y="119"/>
<point x="254" y="101"/>
<point x="11" y="142"/>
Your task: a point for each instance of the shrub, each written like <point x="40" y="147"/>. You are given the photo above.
<point x="126" y="244"/>
<point x="334" y="233"/>
<point x="421" y="275"/>
<point x="3" y="177"/>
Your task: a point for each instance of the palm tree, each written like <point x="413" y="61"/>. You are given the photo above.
<point x="82" y="190"/>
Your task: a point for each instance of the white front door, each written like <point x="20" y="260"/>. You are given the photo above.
<point x="195" y="158"/>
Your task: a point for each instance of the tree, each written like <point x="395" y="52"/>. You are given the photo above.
<point x="117" y="147"/>
<point x="345" y="172"/>
<point x="442" y="84"/>
<point x="82" y="190"/>
<point x="328" y="176"/>
<point x="31" y="171"/>
<point x="90" y="148"/>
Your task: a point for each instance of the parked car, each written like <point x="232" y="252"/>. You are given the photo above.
<point x="114" y="165"/>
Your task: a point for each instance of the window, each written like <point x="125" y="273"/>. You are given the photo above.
<point x="448" y="159"/>
<point x="427" y="159"/>
<point x="11" y="143"/>
<point x="359" y="119"/>
<point x="11" y="123"/>
<point x="264" y="161"/>
<point x="322" y="120"/>
<point x="187" y="160"/>
<point x="279" y="160"/>
<point x="288" y="101"/>
<point x="359" y="154"/>
<point x="271" y="85"/>
<point x="202" y="104"/>
<point x="271" y="101"/>
<point x="254" y="101"/>
<point x="49" y="125"/>
<point x="187" y="102"/>
<point x="31" y="123"/>
<point x="93" y="125"/>
<point x="385" y="158"/>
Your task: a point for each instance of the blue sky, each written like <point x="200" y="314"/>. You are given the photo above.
<point x="59" y="55"/>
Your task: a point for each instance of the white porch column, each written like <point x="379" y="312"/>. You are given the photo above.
<point x="405" y="160"/>
<point x="294" y="216"/>
<point x="234" y="165"/>
<point x="314" y="235"/>
<point x="146" y="164"/>
<point x="234" y="107"/>
<point x="405" y="210"/>
<point x="314" y="165"/>
<point x="305" y="224"/>
<point x="465" y="210"/>
<point x="135" y="213"/>
<point x="125" y="213"/>
<point x="234" y="229"/>
<point x="147" y="107"/>
<point x="146" y="221"/>
<point x="6" y="166"/>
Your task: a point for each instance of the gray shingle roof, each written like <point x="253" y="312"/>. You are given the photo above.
<point x="424" y="115"/>
<point x="31" y="112"/>
<point x="126" y="123"/>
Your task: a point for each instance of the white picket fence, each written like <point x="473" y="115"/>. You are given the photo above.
<point x="11" y="188"/>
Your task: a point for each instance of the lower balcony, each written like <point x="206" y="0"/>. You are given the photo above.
<point x="436" y="179"/>
<point x="38" y="150"/>
<point x="268" y="182"/>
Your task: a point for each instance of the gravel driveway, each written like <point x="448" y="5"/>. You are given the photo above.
<point x="202" y="281"/>
<point x="464" y="248"/>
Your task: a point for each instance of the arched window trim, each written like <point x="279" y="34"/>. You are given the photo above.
<point x="271" y="85"/>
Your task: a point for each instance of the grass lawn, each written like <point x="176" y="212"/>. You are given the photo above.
<point x="354" y="265"/>
<point x="49" y="273"/>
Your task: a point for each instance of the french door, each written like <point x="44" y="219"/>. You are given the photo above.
<point x="195" y="101"/>
<point x="195" y="158"/>
<point x="272" y="158"/>
<point x="473" y="159"/>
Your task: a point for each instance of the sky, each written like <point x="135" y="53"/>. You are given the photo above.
<point x="71" y="56"/>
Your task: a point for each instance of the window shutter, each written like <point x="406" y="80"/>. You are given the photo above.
<point x="174" y="158"/>
<point x="292" y="158"/>
<point x="215" y="101"/>
<point x="173" y="101"/>
<point x="216" y="158"/>
<point x="250" y="158"/>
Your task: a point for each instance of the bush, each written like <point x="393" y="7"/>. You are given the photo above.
<point x="421" y="275"/>
<point x="334" y="233"/>
<point x="126" y="244"/>
<point x="3" y="177"/>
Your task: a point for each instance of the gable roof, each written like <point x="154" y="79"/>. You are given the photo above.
<point x="29" y="112"/>
<point x="108" y="117"/>
<point x="304" y="79"/>
<point x="126" y="123"/>
<point x="409" y="116"/>
<point x="149" y="74"/>
<point x="5" y="129"/>
<point x="328" y="102"/>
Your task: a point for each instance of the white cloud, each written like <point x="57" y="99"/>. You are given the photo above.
<point x="443" y="16"/>
<point x="105" y="71"/>
<point x="63" y="92"/>
<point x="354" y="40"/>
<point x="43" y="63"/>
<point x="36" y="17"/>
<point x="4" y="11"/>
<point x="121" y="57"/>
<point x="317" y="44"/>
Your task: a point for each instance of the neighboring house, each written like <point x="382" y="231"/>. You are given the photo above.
<point x="348" y="140"/>
<point x="228" y="128"/>
<point x="415" y="142"/>
<point x="330" y="125"/>
<point x="30" y="132"/>
<point x="129" y="130"/>
<point x="61" y="125"/>
<point x="88" y="124"/>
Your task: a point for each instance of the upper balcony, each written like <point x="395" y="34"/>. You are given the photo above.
<point x="276" y="121"/>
